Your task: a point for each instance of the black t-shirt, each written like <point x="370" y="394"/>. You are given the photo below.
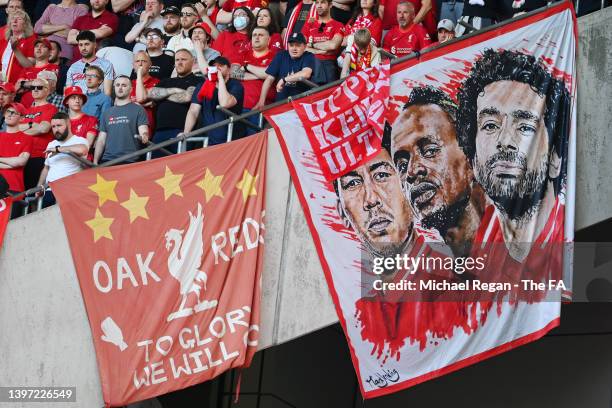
<point x="161" y="66"/>
<point x="171" y="115"/>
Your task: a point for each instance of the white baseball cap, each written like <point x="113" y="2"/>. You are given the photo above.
<point x="446" y="24"/>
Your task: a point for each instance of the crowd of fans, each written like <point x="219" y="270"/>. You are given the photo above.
<point x="101" y="78"/>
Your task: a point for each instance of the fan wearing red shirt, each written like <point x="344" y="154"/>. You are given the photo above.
<point x="424" y="10"/>
<point x="81" y="124"/>
<point x="15" y="148"/>
<point x="142" y="64"/>
<point x="37" y="123"/>
<point x="100" y="21"/>
<point x="225" y="14"/>
<point x="324" y="38"/>
<point x="367" y="18"/>
<point x="17" y="46"/>
<point x="235" y="41"/>
<point x="406" y="37"/>
<point x="42" y="51"/>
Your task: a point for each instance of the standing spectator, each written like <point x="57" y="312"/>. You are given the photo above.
<point x="63" y="63"/>
<point x="17" y="45"/>
<point x="42" y="52"/>
<point x="36" y="122"/>
<point x="217" y="90"/>
<point x="295" y="19"/>
<point x="7" y="95"/>
<point x="342" y="10"/>
<point x="289" y="67"/>
<point x="424" y="12"/>
<point x="366" y="16"/>
<point x="451" y="10"/>
<point x="208" y="11"/>
<point x="56" y="23"/>
<point x="324" y="38"/>
<point x="252" y="73"/>
<point x="81" y="124"/>
<point x="446" y="32"/>
<point x="173" y="97"/>
<point x="162" y="64"/>
<point x="200" y="36"/>
<point x="265" y="18"/>
<point x="189" y="18"/>
<point x="142" y="63"/>
<point x="479" y="14"/>
<point x="97" y="101"/>
<point x="102" y="23"/>
<point x="406" y="37"/>
<point x="58" y="164"/>
<point x="360" y="53"/>
<point x="87" y="51"/>
<point x="172" y="22"/>
<point x="15" y="148"/>
<point x="124" y="128"/>
<point x="127" y="12"/>
<point x="235" y="41"/>
<point x="149" y="18"/>
<point x="53" y="98"/>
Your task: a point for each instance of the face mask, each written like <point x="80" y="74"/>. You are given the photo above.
<point x="240" y="22"/>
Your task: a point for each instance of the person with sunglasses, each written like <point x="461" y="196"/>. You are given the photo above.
<point x="97" y="101"/>
<point x="162" y="64"/>
<point x="36" y="122"/>
<point x="189" y="18"/>
<point x="324" y="37"/>
<point x="7" y="96"/>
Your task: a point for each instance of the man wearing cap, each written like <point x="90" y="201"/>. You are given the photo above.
<point x="76" y="72"/>
<point x="407" y="36"/>
<point x="99" y="21"/>
<point x="15" y="148"/>
<point x="59" y="164"/>
<point x="42" y="52"/>
<point x="200" y="37"/>
<point x="149" y="18"/>
<point x="172" y="22"/>
<point x="289" y="67"/>
<point x="189" y="18"/>
<point x="7" y="95"/>
<point x="217" y="90"/>
<point x="446" y="32"/>
<point x="81" y="124"/>
<point x="162" y="64"/>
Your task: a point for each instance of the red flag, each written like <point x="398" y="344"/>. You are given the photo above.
<point x="169" y="256"/>
<point x="5" y="215"/>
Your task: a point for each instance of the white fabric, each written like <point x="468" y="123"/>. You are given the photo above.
<point x="6" y="59"/>
<point x="121" y="59"/>
<point x="63" y="165"/>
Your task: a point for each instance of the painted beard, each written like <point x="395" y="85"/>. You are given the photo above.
<point x="446" y="216"/>
<point x="513" y="196"/>
<point x="61" y="136"/>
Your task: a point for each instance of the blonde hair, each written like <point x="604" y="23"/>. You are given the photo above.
<point x="362" y="37"/>
<point x="28" y="30"/>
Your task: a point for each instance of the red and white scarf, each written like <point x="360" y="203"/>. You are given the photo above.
<point x="295" y="14"/>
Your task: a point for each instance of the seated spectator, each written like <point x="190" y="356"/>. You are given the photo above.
<point x="124" y="127"/>
<point x="172" y="22"/>
<point x="406" y="37"/>
<point x="149" y="18"/>
<point x="53" y="98"/>
<point x="264" y="18"/>
<point x="360" y="53"/>
<point x="324" y="38"/>
<point x="218" y="89"/>
<point x="120" y="58"/>
<point x="81" y="124"/>
<point x="36" y="122"/>
<point x="295" y="19"/>
<point x="42" y="52"/>
<point x="162" y="64"/>
<point x="200" y="36"/>
<point x="58" y="164"/>
<point x="15" y="149"/>
<point x="141" y="66"/>
<point x="446" y="32"/>
<point x="289" y="67"/>
<point x="366" y="16"/>
<point x="173" y="98"/>
<point x="17" y="46"/>
<point x="235" y="41"/>
<point x="102" y="23"/>
<point x="87" y="51"/>
<point x="7" y="96"/>
<point x="189" y="18"/>
<point x="424" y="11"/>
<point x="479" y="14"/>
<point x="252" y="73"/>
<point x="208" y="11"/>
<point x="97" y="101"/>
<point x="56" y="23"/>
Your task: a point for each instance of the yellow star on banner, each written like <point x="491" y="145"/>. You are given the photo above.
<point x="105" y="189"/>
<point x="136" y="206"/>
<point x="247" y="185"/>
<point x="171" y="183"/>
<point x="211" y="185"/>
<point x="100" y="226"/>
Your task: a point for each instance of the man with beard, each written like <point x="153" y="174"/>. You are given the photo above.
<point x="59" y="164"/>
<point x="435" y="173"/>
<point x="76" y="73"/>
<point x="172" y="22"/>
<point x="407" y="36"/>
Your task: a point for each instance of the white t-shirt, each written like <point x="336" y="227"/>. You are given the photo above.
<point x="62" y="165"/>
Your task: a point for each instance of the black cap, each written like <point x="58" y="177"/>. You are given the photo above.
<point x="220" y="60"/>
<point x="171" y="10"/>
<point x="297" y="38"/>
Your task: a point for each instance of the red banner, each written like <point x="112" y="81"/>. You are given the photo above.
<point x="345" y="128"/>
<point x="5" y="215"/>
<point x="169" y="255"/>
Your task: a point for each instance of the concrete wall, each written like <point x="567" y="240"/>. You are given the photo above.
<point x="45" y="337"/>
